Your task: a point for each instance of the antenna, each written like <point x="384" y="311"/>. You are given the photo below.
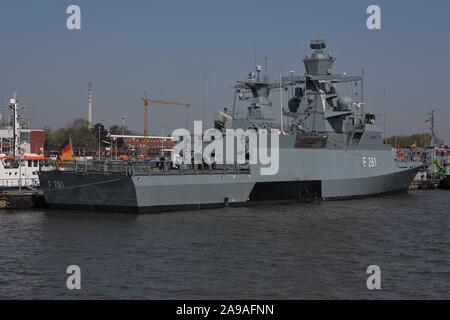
<point x="433" y="141"/>
<point x="433" y="130"/>
<point x="362" y="86"/>
<point x="254" y="56"/>
<point x="266" y="76"/>
<point x="206" y="98"/>
<point x="385" y="110"/>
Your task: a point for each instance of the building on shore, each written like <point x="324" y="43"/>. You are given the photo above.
<point x="146" y="146"/>
<point x="32" y="141"/>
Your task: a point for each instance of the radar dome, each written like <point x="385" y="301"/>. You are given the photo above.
<point x="344" y="103"/>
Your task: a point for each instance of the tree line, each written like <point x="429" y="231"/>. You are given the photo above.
<point x="418" y="140"/>
<point x="82" y="136"/>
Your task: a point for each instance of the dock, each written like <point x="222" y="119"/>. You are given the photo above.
<point x="429" y="184"/>
<point x="22" y="199"/>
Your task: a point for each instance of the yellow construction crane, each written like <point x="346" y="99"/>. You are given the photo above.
<point x="147" y="103"/>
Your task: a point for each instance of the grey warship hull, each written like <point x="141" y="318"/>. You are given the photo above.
<point x="312" y="177"/>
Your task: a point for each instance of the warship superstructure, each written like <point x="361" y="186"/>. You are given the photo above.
<point x="329" y="148"/>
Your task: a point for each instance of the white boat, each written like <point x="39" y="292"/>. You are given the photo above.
<point x="18" y="169"/>
<point x="21" y="172"/>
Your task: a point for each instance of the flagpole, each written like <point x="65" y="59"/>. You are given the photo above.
<point x="71" y="146"/>
<point x="73" y="154"/>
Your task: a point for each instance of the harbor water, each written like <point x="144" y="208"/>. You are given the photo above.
<point x="310" y="251"/>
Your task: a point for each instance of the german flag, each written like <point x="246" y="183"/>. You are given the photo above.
<point x="65" y="153"/>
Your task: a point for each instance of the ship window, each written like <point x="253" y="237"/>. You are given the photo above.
<point x="357" y="135"/>
<point x="35" y="163"/>
<point x="311" y="142"/>
<point x="30" y="163"/>
<point x="10" y="163"/>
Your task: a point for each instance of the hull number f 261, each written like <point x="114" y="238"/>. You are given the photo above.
<point x="369" y="162"/>
<point x="55" y="184"/>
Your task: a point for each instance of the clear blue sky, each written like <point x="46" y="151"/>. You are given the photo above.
<point x="175" y="49"/>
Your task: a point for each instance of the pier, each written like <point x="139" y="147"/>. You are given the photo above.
<point x="429" y="184"/>
<point x="25" y="199"/>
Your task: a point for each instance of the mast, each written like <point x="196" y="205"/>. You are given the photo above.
<point x="205" y="77"/>
<point x="384" y="112"/>
<point x="433" y="131"/>
<point x="266" y="76"/>
<point x="432" y="142"/>
<point x="281" y="102"/>
<point x="362" y="92"/>
<point x="362" y="85"/>
<point x="13" y="105"/>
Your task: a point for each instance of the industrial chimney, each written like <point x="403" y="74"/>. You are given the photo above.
<point x="90" y="104"/>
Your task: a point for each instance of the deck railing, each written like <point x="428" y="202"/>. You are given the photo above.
<point x="18" y="183"/>
<point x="140" y="168"/>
